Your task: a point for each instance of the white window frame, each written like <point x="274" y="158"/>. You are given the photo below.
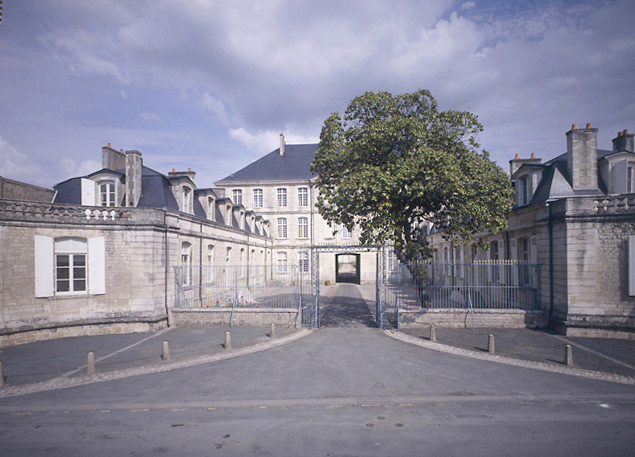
<point x="186" y="263"/>
<point x="346" y="233"/>
<point x="630" y="178"/>
<point x="303" y="261"/>
<point x="258" y="198"/>
<point x="107" y="193"/>
<point x="282" y="262"/>
<point x="282" y="228"/>
<point x="282" y="197"/>
<point x="74" y="249"/>
<point x="303" y="196"/>
<point x="237" y="196"/>
<point x="303" y="227"/>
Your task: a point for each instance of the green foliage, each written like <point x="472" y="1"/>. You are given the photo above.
<point x="395" y="162"/>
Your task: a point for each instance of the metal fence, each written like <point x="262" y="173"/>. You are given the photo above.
<point x="244" y="286"/>
<point x="484" y="285"/>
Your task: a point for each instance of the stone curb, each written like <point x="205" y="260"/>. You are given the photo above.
<point x="64" y="383"/>
<point x="553" y="368"/>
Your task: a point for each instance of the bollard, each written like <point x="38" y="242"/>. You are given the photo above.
<point x="433" y="334"/>
<point x="1" y="376"/>
<point x="90" y="368"/>
<point x="490" y="344"/>
<point x="166" y="351"/>
<point x="568" y="354"/>
<point x="272" y="331"/>
<point x="228" y="340"/>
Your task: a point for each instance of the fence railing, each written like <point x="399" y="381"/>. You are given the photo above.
<point x="239" y="286"/>
<point x="484" y="285"/>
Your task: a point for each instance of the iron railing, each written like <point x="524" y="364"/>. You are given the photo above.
<point x="240" y="286"/>
<point x="483" y="285"/>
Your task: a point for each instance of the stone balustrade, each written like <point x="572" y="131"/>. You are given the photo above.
<point x="615" y="204"/>
<point x="34" y="211"/>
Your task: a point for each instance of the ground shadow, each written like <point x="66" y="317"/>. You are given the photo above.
<point x="346" y="308"/>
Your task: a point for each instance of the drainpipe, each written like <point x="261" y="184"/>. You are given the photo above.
<point x="200" y="264"/>
<point x="550" y="224"/>
<point x="165" y="283"/>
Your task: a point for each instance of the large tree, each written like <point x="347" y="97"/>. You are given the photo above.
<point x="395" y="162"/>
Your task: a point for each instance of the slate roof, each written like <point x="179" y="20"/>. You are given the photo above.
<point x="295" y="164"/>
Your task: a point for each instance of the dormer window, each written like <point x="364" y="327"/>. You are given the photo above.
<point x="107" y="192"/>
<point x="187" y="200"/>
<point x="522" y="190"/>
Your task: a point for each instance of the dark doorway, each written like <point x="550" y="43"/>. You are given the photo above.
<point x="347" y="268"/>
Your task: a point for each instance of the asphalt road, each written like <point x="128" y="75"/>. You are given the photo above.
<point x="345" y="390"/>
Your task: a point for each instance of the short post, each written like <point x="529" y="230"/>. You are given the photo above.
<point x="166" y="351"/>
<point x="568" y="354"/>
<point x="433" y="333"/>
<point x="272" y="331"/>
<point x="228" y="340"/>
<point x="90" y="368"/>
<point x="490" y="344"/>
<point x="1" y="376"/>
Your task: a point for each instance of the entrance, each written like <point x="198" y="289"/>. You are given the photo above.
<point x="347" y="268"/>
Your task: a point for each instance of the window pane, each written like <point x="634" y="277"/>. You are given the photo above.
<point x="79" y="260"/>
<point x="62" y="285"/>
<point x="63" y="272"/>
<point x="79" y="273"/>
<point x="79" y="285"/>
<point x="62" y="260"/>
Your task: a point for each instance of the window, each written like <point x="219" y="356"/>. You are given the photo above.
<point x="282" y="197"/>
<point x="282" y="228"/>
<point x="258" y="198"/>
<point x="303" y="196"/>
<point x="494" y="257"/>
<point x="303" y="227"/>
<point x="70" y="265"/>
<point x="392" y="260"/>
<point x="523" y="191"/>
<point x="211" y="209"/>
<point x="107" y="193"/>
<point x="237" y="195"/>
<point x="523" y="257"/>
<point x="282" y="262"/>
<point x="186" y="264"/>
<point x="346" y="233"/>
<point x="630" y="179"/>
<point x="303" y="261"/>
<point x="187" y="195"/>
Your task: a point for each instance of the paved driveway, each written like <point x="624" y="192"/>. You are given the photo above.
<point x="348" y="389"/>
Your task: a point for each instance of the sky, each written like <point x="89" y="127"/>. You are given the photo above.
<point x="209" y="85"/>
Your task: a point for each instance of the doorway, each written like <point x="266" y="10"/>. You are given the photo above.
<point x="347" y="268"/>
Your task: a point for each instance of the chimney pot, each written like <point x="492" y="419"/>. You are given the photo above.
<point x="574" y="127"/>
<point x="533" y="156"/>
<point x="109" y="145"/>
<point x="625" y="131"/>
<point x="173" y="170"/>
<point x="121" y="150"/>
<point x="517" y="157"/>
<point x="189" y="169"/>
<point x="589" y="125"/>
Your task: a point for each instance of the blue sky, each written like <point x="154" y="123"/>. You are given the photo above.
<point x="210" y="84"/>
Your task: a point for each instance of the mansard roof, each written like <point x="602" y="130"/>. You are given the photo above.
<point x="294" y="165"/>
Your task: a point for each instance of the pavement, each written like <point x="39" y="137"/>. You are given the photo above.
<point x="346" y="389"/>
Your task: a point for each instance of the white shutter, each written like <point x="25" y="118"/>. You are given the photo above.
<point x="96" y="266"/>
<point x="44" y="266"/>
<point x="513" y="255"/>
<point x="620" y="169"/>
<point x="631" y="265"/>
<point x="88" y="192"/>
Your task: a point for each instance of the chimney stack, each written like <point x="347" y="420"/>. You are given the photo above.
<point x="517" y="162"/>
<point x="582" y="160"/>
<point x="112" y="159"/>
<point x="282" y="144"/>
<point x="189" y="173"/>
<point x="134" y="163"/>
<point x="623" y="142"/>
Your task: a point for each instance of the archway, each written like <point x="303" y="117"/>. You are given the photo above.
<point x="347" y="268"/>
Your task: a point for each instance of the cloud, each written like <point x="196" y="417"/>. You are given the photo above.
<point x="468" y="5"/>
<point x="215" y="106"/>
<point x="18" y="166"/>
<point x="150" y="116"/>
<point x="267" y="140"/>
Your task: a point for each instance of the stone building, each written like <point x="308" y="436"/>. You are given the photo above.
<point x="100" y="257"/>
<point x="281" y="187"/>
<point x="574" y="216"/>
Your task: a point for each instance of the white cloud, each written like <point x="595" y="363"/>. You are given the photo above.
<point x="150" y="116"/>
<point x="468" y="5"/>
<point x="267" y="140"/>
<point x="215" y="106"/>
<point x="18" y="166"/>
<point x="123" y="95"/>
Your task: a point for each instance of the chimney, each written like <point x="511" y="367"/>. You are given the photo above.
<point x="189" y="174"/>
<point x="517" y="162"/>
<point x="623" y="142"/>
<point x="282" y="144"/>
<point x="112" y="159"/>
<point x="134" y="162"/>
<point x="582" y="160"/>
